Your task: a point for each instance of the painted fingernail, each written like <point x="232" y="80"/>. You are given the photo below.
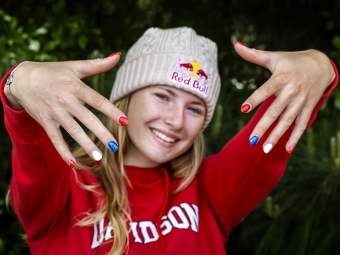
<point x="235" y="42"/>
<point x="123" y="121"/>
<point x="267" y="148"/>
<point x="254" y="140"/>
<point x="245" y="108"/>
<point x="114" y="54"/>
<point x="71" y="163"/>
<point x="290" y="149"/>
<point x="113" y="146"/>
<point x="97" y="155"/>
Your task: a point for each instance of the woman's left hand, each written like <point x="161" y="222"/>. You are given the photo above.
<point x="298" y="81"/>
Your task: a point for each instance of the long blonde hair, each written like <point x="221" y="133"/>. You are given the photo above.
<point x="113" y="179"/>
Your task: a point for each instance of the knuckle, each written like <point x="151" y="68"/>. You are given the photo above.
<point x="98" y="100"/>
<point x="88" y="119"/>
<point x="65" y="101"/>
<point x="274" y="112"/>
<point x="43" y="118"/>
<point x="55" y="140"/>
<point x="264" y="91"/>
<point x="302" y="127"/>
<point x="274" y="137"/>
<point x="75" y="86"/>
<point x="261" y="129"/>
<point x="294" y="89"/>
<point x="287" y="121"/>
<point x="73" y="129"/>
<point x="64" y="153"/>
<point x="282" y="78"/>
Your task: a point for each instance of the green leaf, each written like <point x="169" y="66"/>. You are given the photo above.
<point x="41" y="31"/>
<point x="82" y="41"/>
<point x="336" y="42"/>
<point x="337" y="102"/>
<point x="34" y="45"/>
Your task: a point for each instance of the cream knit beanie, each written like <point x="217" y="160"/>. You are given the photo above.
<point x="176" y="57"/>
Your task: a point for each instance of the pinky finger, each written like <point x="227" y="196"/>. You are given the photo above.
<point x="60" y="145"/>
<point x="300" y="126"/>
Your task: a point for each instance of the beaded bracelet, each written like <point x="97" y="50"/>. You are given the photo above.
<point x="10" y="80"/>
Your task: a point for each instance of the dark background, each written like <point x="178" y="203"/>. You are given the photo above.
<point x="301" y="215"/>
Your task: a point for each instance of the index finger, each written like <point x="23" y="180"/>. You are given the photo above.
<point x="102" y="104"/>
<point x="87" y="68"/>
<point x="269" y="88"/>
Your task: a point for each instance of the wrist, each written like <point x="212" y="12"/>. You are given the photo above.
<point x="12" y="100"/>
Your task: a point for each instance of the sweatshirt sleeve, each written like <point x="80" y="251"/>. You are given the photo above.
<point x="39" y="184"/>
<point x="240" y="176"/>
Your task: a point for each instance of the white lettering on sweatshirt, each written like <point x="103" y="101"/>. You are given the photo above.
<point x="184" y="216"/>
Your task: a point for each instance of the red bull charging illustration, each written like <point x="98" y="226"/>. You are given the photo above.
<point x="191" y="74"/>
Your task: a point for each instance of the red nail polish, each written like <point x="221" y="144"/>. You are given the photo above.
<point x="290" y="149"/>
<point x="239" y="43"/>
<point x="114" y="54"/>
<point x="123" y="121"/>
<point x="71" y="163"/>
<point x="245" y="108"/>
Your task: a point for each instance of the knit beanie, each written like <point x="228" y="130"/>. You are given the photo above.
<point x="176" y="57"/>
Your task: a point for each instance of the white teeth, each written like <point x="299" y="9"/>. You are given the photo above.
<point x="163" y="136"/>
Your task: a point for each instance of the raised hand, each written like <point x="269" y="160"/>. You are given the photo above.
<point x="53" y="94"/>
<point x="298" y="81"/>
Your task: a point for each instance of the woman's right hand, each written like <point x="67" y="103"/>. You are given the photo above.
<point x="53" y="94"/>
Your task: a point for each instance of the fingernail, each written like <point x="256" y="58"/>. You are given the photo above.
<point x="114" y="54"/>
<point x="245" y="108"/>
<point x="113" y="146"/>
<point x="123" y="121"/>
<point x="97" y="155"/>
<point x="290" y="149"/>
<point x="267" y="148"/>
<point x="254" y="140"/>
<point x="71" y="163"/>
<point x="239" y="43"/>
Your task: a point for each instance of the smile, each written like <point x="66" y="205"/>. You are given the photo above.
<point x="163" y="136"/>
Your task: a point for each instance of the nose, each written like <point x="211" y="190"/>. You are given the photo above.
<point x="175" y="117"/>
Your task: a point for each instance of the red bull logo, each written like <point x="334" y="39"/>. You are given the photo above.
<point x="191" y="74"/>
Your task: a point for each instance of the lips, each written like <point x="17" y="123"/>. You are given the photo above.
<point x="163" y="136"/>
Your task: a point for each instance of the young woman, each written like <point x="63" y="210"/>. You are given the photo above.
<point x="142" y="186"/>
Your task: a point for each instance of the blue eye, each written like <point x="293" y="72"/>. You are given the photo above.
<point x="162" y="97"/>
<point x="194" y="110"/>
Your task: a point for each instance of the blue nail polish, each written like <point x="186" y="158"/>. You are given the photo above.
<point x="254" y="140"/>
<point x="113" y="146"/>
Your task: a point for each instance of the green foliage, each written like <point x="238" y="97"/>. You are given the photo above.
<point x="305" y="216"/>
<point x="300" y="214"/>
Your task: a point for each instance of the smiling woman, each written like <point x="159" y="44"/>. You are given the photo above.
<point x="142" y="185"/>
<point x="163" y="124"/>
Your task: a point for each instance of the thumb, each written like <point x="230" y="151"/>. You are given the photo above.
<point x="86" y="68"/>
<point x="258" y="57"/>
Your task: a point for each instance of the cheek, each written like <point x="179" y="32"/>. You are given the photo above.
<point x="193" y="129"/>
<point x="193" y="135"/>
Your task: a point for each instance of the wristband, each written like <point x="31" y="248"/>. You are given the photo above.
<point x="10" y="80"/>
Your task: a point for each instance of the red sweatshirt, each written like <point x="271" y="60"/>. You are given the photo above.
<point x="48" y="201"/>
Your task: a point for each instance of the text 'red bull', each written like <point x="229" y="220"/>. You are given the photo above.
<point x="191" y="74"/>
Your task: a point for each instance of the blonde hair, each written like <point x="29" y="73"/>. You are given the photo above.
<point x="113" y="179"/>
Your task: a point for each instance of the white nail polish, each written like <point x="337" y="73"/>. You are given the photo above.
<point x="267" y="148"/>
<point x="97" y="155"/>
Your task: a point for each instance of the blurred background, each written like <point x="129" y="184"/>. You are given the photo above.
<point x="302" y="214"/>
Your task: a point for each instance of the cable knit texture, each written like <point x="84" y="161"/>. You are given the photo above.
<point x="176" y="57"/>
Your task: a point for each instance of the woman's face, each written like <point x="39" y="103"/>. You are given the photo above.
<point x="163" y="123"/>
